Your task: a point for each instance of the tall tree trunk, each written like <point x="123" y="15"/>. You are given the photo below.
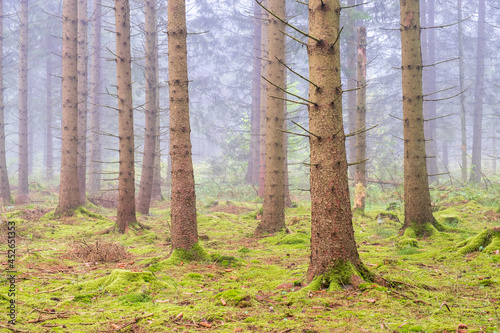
<point x="157" y="181"/>
<point x="416" y="187"/>
<point x="151" y="108"/>
<point x="351" y="82"/>
<point x="264" y="55"/>
<point x="254" y="157"/>
<point x="273" y="216"/>
<point x="94" y="184"/>
<point x="49" y="139"/>
<point x="184" y="228"/>
<point x="69" y="198"/>
<point x="286" y="181"/>
<point x="82" y="98"/>
<point x="333" y="247"/>
<point x="463" y="127"/>
<point x="360" y="175"/>
<point x="23" y="188"/>
<point x="477" y="135"/>
<point x="4" y="176"/>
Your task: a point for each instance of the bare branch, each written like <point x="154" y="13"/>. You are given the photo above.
<point x="302" y="77"/>
<point x="289" y="93"/>
<point x="447" y="25"/>
<point x="447" y="115"/>
<point x="306" y="130"/>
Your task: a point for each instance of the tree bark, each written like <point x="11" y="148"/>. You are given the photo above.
<point x="184" y="230"/>
<point x="23" y="188"/>
<point x="151" y="108"/>
<point x="49" y="138"/>
<point x="264" y="56"/>
<point x="477" y="134"/>
<point x="82" y="98"/>
<point x="273" y="216"/>
<point x="69" y="198"/>
<point x="416" y="188"/>
<point x="333" y="247"/>
<point x="351" y="83"/>
<point x="156" y="193"/>
<point x="4" y="176"/>
<point x="126" y="178"/>
<point x="463" y="125"/>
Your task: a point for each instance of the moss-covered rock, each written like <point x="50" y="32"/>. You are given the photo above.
<point x="235" y="297"/>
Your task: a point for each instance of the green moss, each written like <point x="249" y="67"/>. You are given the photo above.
<point x="488" y="241"/>
<point x="9" y="215"/>
<point x="235" y="297"/>
<point x="81" y="211"/>
<point x="84" y="298"/>
<point x="50" y="216"/>
<point x="338" y="276"/>
<point x="451" y="220"/>
<point x="420" y="230"/>
<point x="223" y="260"/>
<point x="404" y="242"/>
<point x="131" y="299"/>
<point x="295" y="238"/>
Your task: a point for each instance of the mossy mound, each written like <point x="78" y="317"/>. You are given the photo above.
<point x="131" y="299"/>
<point x="342" y="275"/>
<point x="122" y="281"/>
<point x="451" y="220"/>
<point x="404" y="242"/>
<point x="487" y="241"/>
<point x="235" y="297"/>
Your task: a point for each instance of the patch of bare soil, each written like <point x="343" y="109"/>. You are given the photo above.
<point x="100" y="251"/>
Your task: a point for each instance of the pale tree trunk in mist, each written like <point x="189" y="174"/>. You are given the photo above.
<point x="286" y="182"/>
<point x="254" y="157"/>
<point x="126" y="179"/>
<point x="82" y="98"/>
<point x="49" y="138"/>
<point x="351" y="83"/>
<point x="463" y="128"/>
<point x="151" y="108"/>
<point x="332" y="235"/>
<point x="264" y="55"/>
<point x="4" y="176"/>
<point x="23" y="187"/>
<point x="418" y="211"/>
<point x="69" y="198"/>
<point x="273" y="216"/>
<point x="360" y="174"/>
<point x="95" y="168"/>
<point x="157" y="181"/>
<point x="184" y="229"/>
<point x="477" y="135"/>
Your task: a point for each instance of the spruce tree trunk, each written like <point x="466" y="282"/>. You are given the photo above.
<point x="360" y="174"/>
<point x="184" y="230"/>
<point x="264" y="55"/>
<point x="126" y="178"/>
<point x="333" y="247"/>
<point x="286" y="181"/>
<point x="416" y="188"/>
<point x="49" y="139"/>
<point x="69" y="198"/>
<point x="4" y="176"/>
<point x="351" y="83"/>
<point x="463" y="127"/>
<point x="82" y="98"/>
<point x="151" y="108"/>
<point x="94" y="185"/>
<point x="477" y="135"/>
<point x="157" y="181"/>
<point x="273" y="216"/>
<point x="23" y="187"/>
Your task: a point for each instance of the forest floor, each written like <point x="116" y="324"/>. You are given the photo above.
<point x="70" y="279"/>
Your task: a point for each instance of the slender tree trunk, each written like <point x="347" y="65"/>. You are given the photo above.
<point x="23" y="188"/>
<point x="184" y="228"/>
<point x="416" y="187"/>
<point x="254" y="157"/>
<point x="94" y="184"/>
<point x="446" y="159"/>
<point x="49" y="138"/>
<point x="360" y="175"/>
<point x="273" y="216"/>
<point x="69" y="192"/>
<point x="264" y="49"/>
<point x="4" y="176"/>
<point x="333" y="246"/>
<point x="126" y="178"/>
<point x="463" y="127"/>
<point x="351" y="83"/>
<point x="157" y="181"/>
<point x="82" y="98"/>
<point x="286" y="181"/>
<point x="477" y="135"/>
<point x="151" y="108"/>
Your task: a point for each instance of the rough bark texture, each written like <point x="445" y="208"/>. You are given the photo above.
<point x="463" y="125"/>
<point x="156" y="193"/>
<point x="184" y="228"/>
<point x="4" y="176"/>
<point x="477" y="135"/>
<point x="82" y="98"/>
<point x="23" y="188"/>
<point x="273" y="216"/>
<point x="264" y="55"/>
<point x="151" y="108"/>
<point x="351" y="83"/>
<point x="254" y="157"/>
<point x="286" y="182"/>
<point x="416" y="188"/>
<point x="332" y="233"/>
<point x="94" y="184"/>
<point x="126" y="177"/>
<point x="360" y="174"/>
<point x="69" y="193"/>
<point x="49" y="138"/>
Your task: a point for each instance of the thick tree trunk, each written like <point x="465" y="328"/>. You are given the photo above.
<point x="273" y="216"/>
<point x="4" y="176"/>
<point x="69" y="198"/>
<point x="49" y="138"/>
<point x="416" y="188"/>
<point x="151" y="108"/>
<point x="463" y="127"/>
<point x="23" y="188"/>
<point x="94" y="184"/>
<point x="82" y="98"/>
<point x="333" y="247"/>
<point x="126" y="178"/>
<point x="264" y="55"/>
<point x="360" y="174"/>
<point x="477" y="135"/>
<point x="351" y="83"/>
<point x="286" y="181"/>
<point x="184" y="230"/>
<point x="254" y="157"/>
